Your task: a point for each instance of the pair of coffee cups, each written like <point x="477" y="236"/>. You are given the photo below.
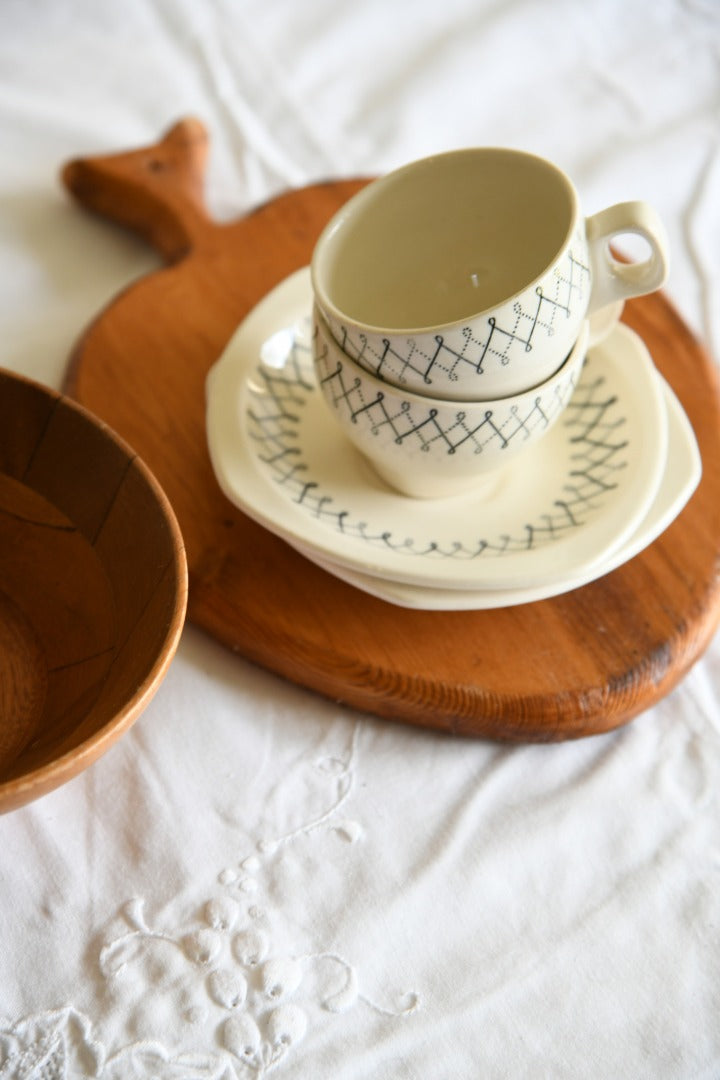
<point x="454" y="302"/>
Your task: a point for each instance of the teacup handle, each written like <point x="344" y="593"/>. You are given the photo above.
<point x="612" y="280"/>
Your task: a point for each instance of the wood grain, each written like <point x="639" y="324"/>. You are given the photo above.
<point x="575" y="665"/>
<point x="92" y="588"/>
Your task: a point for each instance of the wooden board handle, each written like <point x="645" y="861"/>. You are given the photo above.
<point x="157" y="190"/>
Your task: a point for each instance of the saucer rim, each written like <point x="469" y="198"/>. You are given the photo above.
<point x="248" y="488"/>
<point x="434" y="598"/>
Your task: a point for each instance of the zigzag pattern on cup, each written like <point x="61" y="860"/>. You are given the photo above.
<point x="535" y="312"/>
<point x="596" y="430"/>
<point x="415" y="422"/>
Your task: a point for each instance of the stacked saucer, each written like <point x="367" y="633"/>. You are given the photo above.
<point x="617" y="467"/>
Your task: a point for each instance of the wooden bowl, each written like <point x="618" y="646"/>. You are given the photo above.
<point x="93" y="588"/>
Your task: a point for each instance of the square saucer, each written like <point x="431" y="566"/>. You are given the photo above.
<point x="552" y="515"/>
<point x="682" y="474"/>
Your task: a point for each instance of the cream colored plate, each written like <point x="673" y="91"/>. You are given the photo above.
<point x="682" y="475"/>
<point x="555" y="513"/>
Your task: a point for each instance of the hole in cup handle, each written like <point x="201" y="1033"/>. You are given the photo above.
<point x="613" y="280"/>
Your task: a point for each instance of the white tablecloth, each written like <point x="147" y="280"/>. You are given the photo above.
<point x="256" y="880"/>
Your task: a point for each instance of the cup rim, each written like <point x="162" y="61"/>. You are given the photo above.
<point x="367" y="193"/>
<point x="580" y="345"/>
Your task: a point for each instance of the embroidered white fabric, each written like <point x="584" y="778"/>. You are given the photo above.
<point x="256" y="880"/>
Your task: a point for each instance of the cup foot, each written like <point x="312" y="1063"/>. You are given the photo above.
<point x="430" y="487"/>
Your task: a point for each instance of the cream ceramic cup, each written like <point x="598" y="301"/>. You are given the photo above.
<point x="468" y="275"/>
<point x="429" y="447"/>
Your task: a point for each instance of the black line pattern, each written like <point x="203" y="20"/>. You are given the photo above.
<point x="597" y="435"/>
<point x="424" y="426"/>
<point x="537" y="312"/>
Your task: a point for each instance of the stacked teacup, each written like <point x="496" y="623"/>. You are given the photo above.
<point x="455" y="300"/>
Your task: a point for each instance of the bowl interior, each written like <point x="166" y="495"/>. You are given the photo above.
<point x="93" y="588"/>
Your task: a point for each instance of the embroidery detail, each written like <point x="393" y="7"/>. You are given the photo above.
<point x="46" y="1046"/>
<point x="226" y="971"/>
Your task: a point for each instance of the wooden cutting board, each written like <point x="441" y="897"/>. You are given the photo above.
<point x="575" y="665"/>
